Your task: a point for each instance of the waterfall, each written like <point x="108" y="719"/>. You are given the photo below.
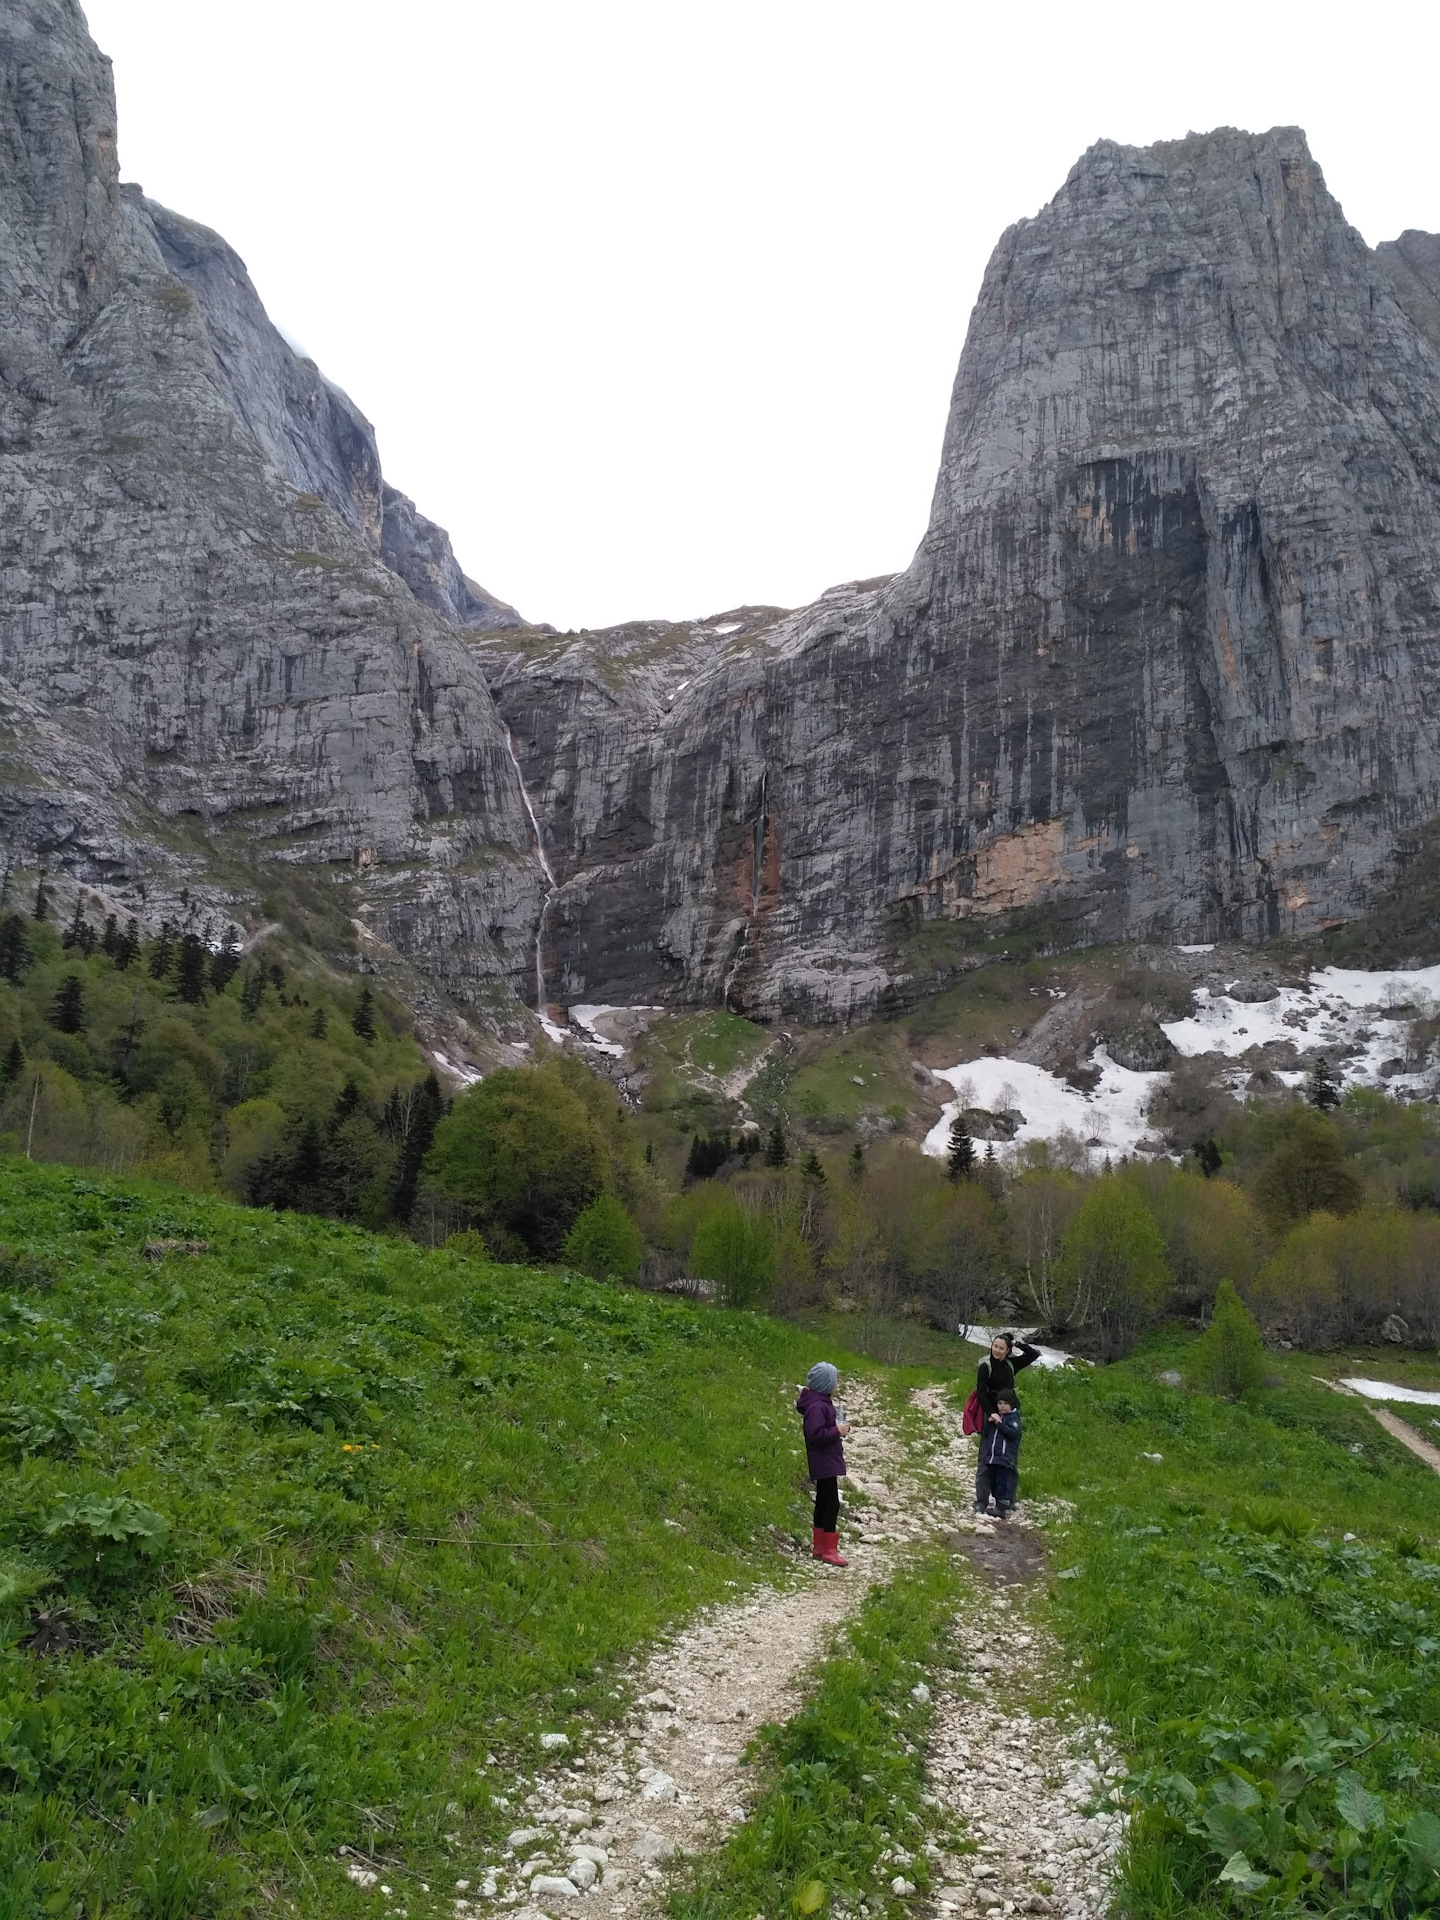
<point x="541" y="1005"/>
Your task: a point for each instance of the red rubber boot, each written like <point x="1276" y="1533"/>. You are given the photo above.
<point x="830" y="1550"/>
<point x="817" y="1550"/>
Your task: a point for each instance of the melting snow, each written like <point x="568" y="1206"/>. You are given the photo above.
<point x="1382" y="1390"/>
<point x="457" y="1069"/>
<point x="982" y="1336"/>
<point x="585" y="1017"/>
<point x="1110" y="1120"/>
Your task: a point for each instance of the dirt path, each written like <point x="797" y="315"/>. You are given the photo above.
<point x="598" y="1827"/>
<point x="1400" y="1429"/>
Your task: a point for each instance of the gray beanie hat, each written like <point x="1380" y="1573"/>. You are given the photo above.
<point x="823" y="1377"/>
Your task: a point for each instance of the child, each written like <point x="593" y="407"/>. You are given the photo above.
<point x="1001" y="1453"/>
<point x="824" y="1456"/>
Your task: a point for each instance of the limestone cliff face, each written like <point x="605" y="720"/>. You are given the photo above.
<point x="1164" y="665"/>
<point x="225" y="643"/>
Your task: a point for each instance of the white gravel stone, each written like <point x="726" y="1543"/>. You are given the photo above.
<point x="553" y="1886"/>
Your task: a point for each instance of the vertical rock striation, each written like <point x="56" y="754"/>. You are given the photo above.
<point x="1164" y="665"/>
<point x="225" y="649"/>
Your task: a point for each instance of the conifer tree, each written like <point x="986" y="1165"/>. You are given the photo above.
<point x="363" y="1022"/>
<point x="649" y="1153"/>
<point x="14" y="1062"/>
<point x="225" y="961"/>
<point x="72" y="934"/>
<point x="68" y="1012"/>
<point x="1321" y="1089"/>
<point x="856" y="1168"/>
<point x="319" y="1025"/>
<point x="163" y="953"/>
<point x="1209" y="1156"/>
<point x="127" y="947"/>
<point x="960" y="1156"/>
<point x="811" y="1169"/>
<point x="110" y="936"/>
<point x="41" y="909"/>
<point x="252" y="992"/>
<point x="1229" y="1357"/>
<point x="777" y="1148"/>
<point x="191" y="969"/>
<point x="5" y="881"/>
<point x="14" y="948"/>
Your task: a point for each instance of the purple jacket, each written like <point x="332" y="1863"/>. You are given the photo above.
<point x="824" y="1455"/>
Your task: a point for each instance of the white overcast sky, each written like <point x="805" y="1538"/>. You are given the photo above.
<point x="657" y="306"/>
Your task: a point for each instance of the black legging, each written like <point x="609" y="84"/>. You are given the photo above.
<point x="827" y="1504"/>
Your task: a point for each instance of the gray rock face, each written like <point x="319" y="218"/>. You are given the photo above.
<point x="1163" y="667"/>
<point x="209" y="674"/>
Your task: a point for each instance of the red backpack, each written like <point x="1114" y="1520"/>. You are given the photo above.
<point x="972" y="1419"/>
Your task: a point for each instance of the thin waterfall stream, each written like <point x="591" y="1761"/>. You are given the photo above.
<point x="541" y="1005"/>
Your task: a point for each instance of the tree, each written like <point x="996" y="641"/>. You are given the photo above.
<point x="41" y="909"/>
<point x="191" y="969"/>
<point x="14" y="949"/>
<point x="410" y="1119"/>
<point x="960" y="1158"/>
<point x="225" y="961"/>
<point x="1321" y="1089"/>
<point x="1111" y="1273"/>
<point x="1209" y="1156"/>
<point x="14" y="1062"/>
<point x="68" y="1011"/>
<point x="523" y="1152"/>
<point x="811" y="1169"/>
<point x="319" y="1025"/>
<point x="162" y="954"/>
<point x="1307" y="1172"/>
<point x="363" y="1022"/>
<point x="127" y="947"/>
<point x="707" y="1156"/>
<point x="605" y="1242"/>
<point x="856" y="1168"/>
<point x="252" y="992"/>
<point x="1229" y="1357"/>
<point x="777" y="1148"/>
<point x="74" y="934"/>
<point x="735" y="1251"/>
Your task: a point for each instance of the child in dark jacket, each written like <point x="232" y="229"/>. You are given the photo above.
<point x="1000" y="1451"/>
<point x="824" y="1456"/>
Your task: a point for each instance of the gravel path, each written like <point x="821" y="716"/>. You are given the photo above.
<point x="594" y="1831"/>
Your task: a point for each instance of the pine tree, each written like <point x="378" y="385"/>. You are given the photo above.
<point x="252" y="992"/>
<point x="127" y="947"/>
<point x="319" y="1025"/>
<point x="1229" y="1357"/>
<point x="811" y="1169"/>
<point x="855" y="1170"/>
<point x="418" y="1116"/>
<point x="191" y="969"/>
<point x="14" y="948"/>
<point x="41" y="909"/>
<point x="363" y="1022"/>
<point x="960" y="1158"/>
<point x="777" y="1148"/>
<point x="14" y="1062"/>
<point x="225" y="962"/>
<point x="72" y="934"/>
<point x="1209" y="1156"/>
<point x="68" y="1011"/>
<point x="163" y="952"/>
<point x="1321" y="1089"/>
<point x="649" y="1153"/>
<point x="349" y="1100"/>
<point x="110" y="936"/>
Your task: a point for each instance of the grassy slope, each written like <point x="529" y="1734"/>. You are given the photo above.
<point x="415" y="1505"/>
<point x="1228" y="1627"/>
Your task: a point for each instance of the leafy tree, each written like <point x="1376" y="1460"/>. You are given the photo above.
<point x="960" y="1158"/>
<point x="191" y="970"/>
<point x="68" y="1012"/>
<point x="1229" y="1357"/>
<point x="14" y="949"/>
<point x="1322" y="1090"/>
<point x="735" y="1251"/>
<point x="363" y="1022"/>
<point x="777" y="1148"/>
<point x="524" y="1153"/>
<point x="1111" y="1272"/>
<point x="605" y="1242"/>
<point x="1307" y="1172"/>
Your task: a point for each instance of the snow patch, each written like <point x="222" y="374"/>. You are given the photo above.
<point x="1382" y="1390"/>
<point x="585" y="1018"/>
<point x="457" y="1069"/>
<point x="1109" y="1120"/>
<point x="982" y="1336"/>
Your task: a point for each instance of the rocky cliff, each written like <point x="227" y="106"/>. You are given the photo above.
<point x="227" y="658"/>
<point x="1164" y="665"/>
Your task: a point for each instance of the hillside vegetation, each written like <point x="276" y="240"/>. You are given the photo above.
<point x="306" y="1535"/>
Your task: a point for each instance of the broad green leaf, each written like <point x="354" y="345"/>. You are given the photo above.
<point x="1235" y="1792"/>
<point x="1230" y="1829"/>
<point x="1356" y="1805"/>
<point x="1239" y="1874"/>
<point x="1421" y="1840"/>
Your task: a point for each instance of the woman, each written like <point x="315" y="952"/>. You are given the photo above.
<point x="994" y="1378"/>
<point x="824" y="1456"/>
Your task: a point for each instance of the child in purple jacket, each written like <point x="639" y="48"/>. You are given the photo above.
<point x="824" y="1456"/>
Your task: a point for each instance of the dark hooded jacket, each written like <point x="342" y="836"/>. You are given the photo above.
<point x="995" y="1377"/>
<point x="824" y="1455"/>
<point x="1002" y="1444"/>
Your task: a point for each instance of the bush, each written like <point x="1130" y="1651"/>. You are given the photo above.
<point x="1307" y="1172"/>
<point x="605" y="1242"/>
<point x="108" y="1537"/>
<point x="735" y="1251"/>
<point x="1229" y="1357"/>
<point x="1111" y="1276"/>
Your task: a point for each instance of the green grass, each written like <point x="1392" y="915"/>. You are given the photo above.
<point x="377" y="1513"/>
<point x="844" y="1780"/>
<point x="1265" y="1673"/>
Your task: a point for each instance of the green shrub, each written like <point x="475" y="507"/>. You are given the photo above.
<point x="105" y="1536"/>
<point x="735" y="1251"/>
<point x="1229" y="1357"/>
<point x="605" y="1242"/>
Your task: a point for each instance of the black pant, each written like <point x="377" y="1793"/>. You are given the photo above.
<point x="827" y="1504"/>
<point x="1003" y="1480"/>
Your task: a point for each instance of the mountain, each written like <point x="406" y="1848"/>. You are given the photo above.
<point x="1163" y="666"/>
<point x="229" y="653"/>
